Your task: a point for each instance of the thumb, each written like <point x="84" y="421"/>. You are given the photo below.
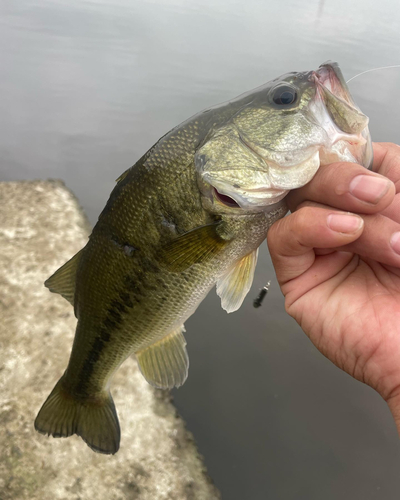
<point x="292" y="240"/>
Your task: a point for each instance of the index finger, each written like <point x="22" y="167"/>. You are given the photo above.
<point x="387" y="161"/>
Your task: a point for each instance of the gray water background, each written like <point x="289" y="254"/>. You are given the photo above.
<point x="86" y="87"/>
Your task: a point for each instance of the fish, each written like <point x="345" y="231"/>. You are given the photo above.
<point x="188" y="216"/>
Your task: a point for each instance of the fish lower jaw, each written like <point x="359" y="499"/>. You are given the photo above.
<point x="343" y="150"/>
<point x="265" y="198"/>
<point x="283" y="178"/>
<point x="255" y="200"/>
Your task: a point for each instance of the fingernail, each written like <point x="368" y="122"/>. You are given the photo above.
<point x="395" y="242"/>
<point x="369" y="188"/>
<point x="344" y="223"/>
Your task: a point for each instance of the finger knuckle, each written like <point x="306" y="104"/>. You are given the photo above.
<point x="272" y="235"/>
<point x="393" y="146"/>
<point x="303" y="216"/>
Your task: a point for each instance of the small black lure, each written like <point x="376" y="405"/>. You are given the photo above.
<point x="257" y="302"/>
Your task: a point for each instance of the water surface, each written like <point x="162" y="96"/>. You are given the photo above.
<point x="86" y="87"/>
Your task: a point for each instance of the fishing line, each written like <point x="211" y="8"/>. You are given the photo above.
<point x="374" y="69"/>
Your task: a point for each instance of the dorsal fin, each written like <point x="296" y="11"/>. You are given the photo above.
<point x="63" y="280"/>
<point x="123" y="175"/>
<point x="235" y="284"/>
<point x="165" y="363"/>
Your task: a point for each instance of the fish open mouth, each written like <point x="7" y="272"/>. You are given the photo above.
<point x="330" y="76"/>
<point x="345" y="125"/>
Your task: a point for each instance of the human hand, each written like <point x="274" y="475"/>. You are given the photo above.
<point x="340" y="272"/>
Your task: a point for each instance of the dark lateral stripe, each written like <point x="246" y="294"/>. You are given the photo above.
<point x="92" y="358"/>
<point x="112" y="322"/>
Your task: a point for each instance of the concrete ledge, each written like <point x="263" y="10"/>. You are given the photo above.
<point x="41" y="226"/>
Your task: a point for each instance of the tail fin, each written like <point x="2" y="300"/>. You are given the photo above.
<point x="96" y="421"/>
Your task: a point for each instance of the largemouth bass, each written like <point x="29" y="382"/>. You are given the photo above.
<point x="190" y="214"/>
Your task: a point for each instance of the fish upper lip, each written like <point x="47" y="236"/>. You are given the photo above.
<point x="329" y="76"/>
<point x="321" y="79"/>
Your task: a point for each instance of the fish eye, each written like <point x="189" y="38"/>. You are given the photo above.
<point x="226" y="200"/>
<point x="284" y="95"/>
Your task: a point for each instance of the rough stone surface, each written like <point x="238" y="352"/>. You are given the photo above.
<point x="41" y="226"/>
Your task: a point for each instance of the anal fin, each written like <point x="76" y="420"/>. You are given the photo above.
<point x="235" y="284"/>
<point x="165" y="363"/>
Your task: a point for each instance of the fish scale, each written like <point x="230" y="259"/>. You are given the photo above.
<point x="134" y="218"/>
<point x="190" y="214"/>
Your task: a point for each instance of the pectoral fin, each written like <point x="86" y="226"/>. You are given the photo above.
<point x="193" y="247"/>
<point x="165" y="364"/>
<point x="63" y="280"/>
<point x="235" y="284"/>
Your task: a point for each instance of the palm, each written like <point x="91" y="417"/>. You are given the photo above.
<point x="353" y="318"/>
<point x="337" y="260"/>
